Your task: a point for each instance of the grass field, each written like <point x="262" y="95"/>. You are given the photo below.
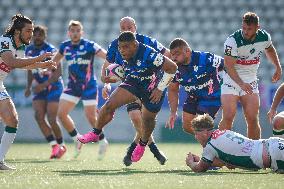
<point x="35" y="170"/>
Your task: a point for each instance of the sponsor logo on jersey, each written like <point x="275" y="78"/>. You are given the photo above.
<point x="252" y="51"/>
<point x="228" y="50"/>
<point x="248" y="62"/>
<point x="4" y="67"/>
<point x="4" y="45"/>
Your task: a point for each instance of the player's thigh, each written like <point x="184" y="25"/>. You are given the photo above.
<point x="39" y="107"/>
<point x="119" y="97"/>
<point x="187" y="118"/>
<point x="65" y="106"/>
<point x="250" y="103"/>
<point x="8" y="112"/>
<point x="52" y="109"/>
<point x="90" y="110"/>
<point x="229" y="105"/>
<point x="148" y="115"/>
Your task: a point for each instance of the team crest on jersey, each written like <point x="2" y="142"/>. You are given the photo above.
<point x="4" y="45"/>
<point x="81" y="47"/>
<point x="158" y="60"/>
<point x="138" y="63"/>
<point x="252" y="51"/>
<point x="195" y="68"/>
<point x="228" y="50"/>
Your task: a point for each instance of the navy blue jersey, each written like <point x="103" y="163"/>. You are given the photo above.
<point x="80" y="60"/>
<point x="39" y="74"/>
<point x="200" y="77"/>
<point x="144" y="68"/>
<point x="113" y="54"/>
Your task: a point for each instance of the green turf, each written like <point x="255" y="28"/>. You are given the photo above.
<point x="35" y="170"/>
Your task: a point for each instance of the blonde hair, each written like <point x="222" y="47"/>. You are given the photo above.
<point x="75" y="23"/>
<point x="203" y="122"/>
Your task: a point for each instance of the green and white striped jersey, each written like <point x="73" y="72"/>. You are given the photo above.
<point x="247" y="52"/>
<point x="234" y="148"/>
<point x="7" y="44"/>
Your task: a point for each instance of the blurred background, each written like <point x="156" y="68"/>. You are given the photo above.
<point x="204" y="24"/>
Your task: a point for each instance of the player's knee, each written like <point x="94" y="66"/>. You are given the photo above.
<point x="278" y="123"/>
<point x="109" y="107"/>
<point x="12" y="121"/>
<point x="148" y="121"/>
<point x="52" y="120"/>
<point x="136" y="118"/>
<point x="39" y="116"/>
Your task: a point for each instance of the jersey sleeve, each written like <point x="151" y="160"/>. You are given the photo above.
<point x="157" y="59"/>
<point x="111" y="52"/>
<point x="96" y="47"/>
<point x="230" y="47"/>
<point x="61" y="48"/>
<point x="269" y="41"/>
<point x="5" y="44"/>
<point x="208" y="154"/>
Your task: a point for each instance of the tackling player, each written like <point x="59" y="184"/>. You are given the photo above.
<point x="233" y="149"/>
<point x="12" y="50"/>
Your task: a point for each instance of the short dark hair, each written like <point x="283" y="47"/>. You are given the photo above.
<point x="203" y="122"/>
<point x="41" y="29"/>
<point x="251" y="18"/>
<point x="126" y="36"/>
<point x="178" y="42"/>
<point x="18" y="23"/>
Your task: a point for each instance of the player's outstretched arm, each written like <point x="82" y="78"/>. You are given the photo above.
<point x="173" y="95"/>
<point x="195" y="163"/>
<point x="15" y="62"/>
<point x="271" y="54"/>
<point x="276" y="101"/>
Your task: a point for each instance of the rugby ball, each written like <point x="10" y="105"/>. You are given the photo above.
<point x="115" y="71"/>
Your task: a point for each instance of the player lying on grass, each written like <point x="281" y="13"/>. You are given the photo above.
<point x="233" y="149"/>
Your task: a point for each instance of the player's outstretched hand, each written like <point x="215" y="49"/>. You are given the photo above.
<point x="44" y="56"/>
<point x="27" y="92"/>
<point x="277" y="75"/>
<point x="156" y="96"/>
<point x="171" y="121"/>
<point x="49" y="64"/>
<point x="107" y="79"/>
<point x="106" y="90"/>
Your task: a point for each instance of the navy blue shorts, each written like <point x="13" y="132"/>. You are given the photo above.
<point x="86" y="91"/>
<point x="194" y="105"/>
<point x="144" y="96"/>
<point x="51" y="93"/>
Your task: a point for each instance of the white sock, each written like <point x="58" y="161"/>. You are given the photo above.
<point x="6" y="142"/>
<point x="53" y="142"/>
<point x="75" y="137"/>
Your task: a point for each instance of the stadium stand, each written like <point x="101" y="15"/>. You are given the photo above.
<point x="204" y="24"/>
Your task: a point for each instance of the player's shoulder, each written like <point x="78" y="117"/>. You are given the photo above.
<point x="7" y="43"/>
<point x="262" y="36"/>
<point x="7" y="38"/>
<point x="234" y="37"/>
<point x="66" y="43"/>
